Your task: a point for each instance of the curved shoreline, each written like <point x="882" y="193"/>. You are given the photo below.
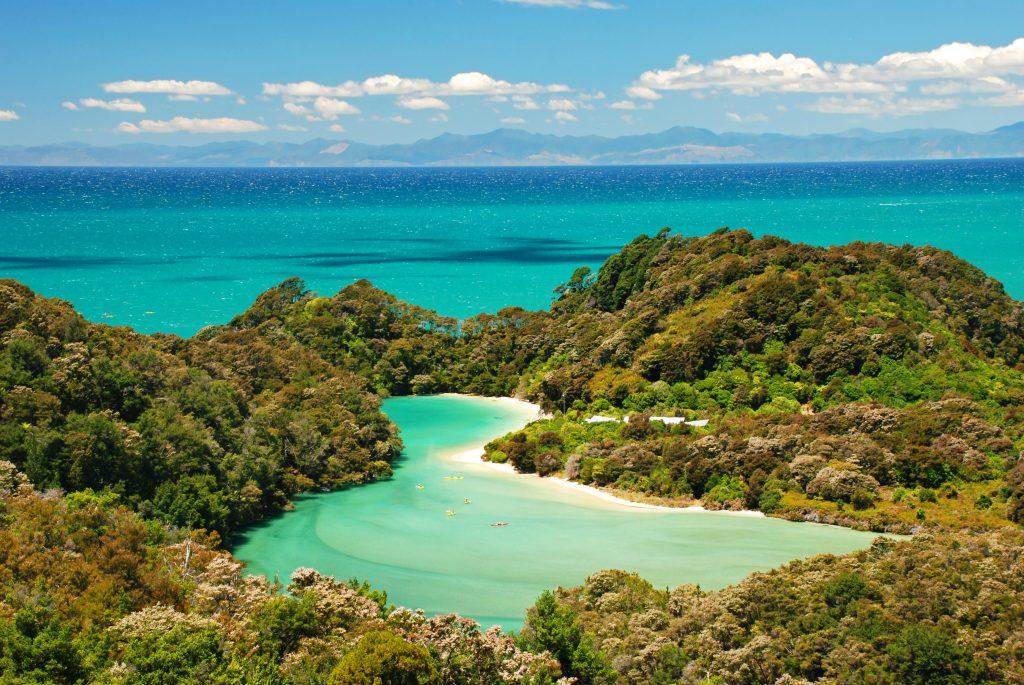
<point x="473" y="456"/>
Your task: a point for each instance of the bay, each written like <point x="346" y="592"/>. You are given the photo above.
<point x="401" y="539"/>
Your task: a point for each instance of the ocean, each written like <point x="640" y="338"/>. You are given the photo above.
<point x="173" y="250"/>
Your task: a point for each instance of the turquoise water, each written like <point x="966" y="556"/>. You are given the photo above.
<point x="401" y="539"/>
<point x="195" y="246"/>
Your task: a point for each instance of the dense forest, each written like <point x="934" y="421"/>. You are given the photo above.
<point x="869" y="385"/>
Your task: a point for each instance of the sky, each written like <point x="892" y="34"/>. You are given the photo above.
<point x="188" y="72"/>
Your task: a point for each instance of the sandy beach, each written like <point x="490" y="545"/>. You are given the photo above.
<point x="473" y="456"/>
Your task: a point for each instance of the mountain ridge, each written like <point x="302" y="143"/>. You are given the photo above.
<point x="516" y="147"/>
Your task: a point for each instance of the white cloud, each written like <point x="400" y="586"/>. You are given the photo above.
<point x="182" y="97"/>
<point x="952" y="60"/>
<point x="1010" y="99"/>
<point x="167" y="86"/>
<point x="524" y="102"/>
<point x="986" y="84"/>
<point x="311" y="89"/>
<point x="292" y="128"/>
<point x="116" y="105"/>
<point x="297" y="110"/>
<point x="399" y="119"/>
<point x="643" y="93"/>
<point x="751" y="74"/>
<point x="336" y="128"/>
<point x="408" y="102"/>
<point x="190" y="125"/>
<point x="564" y="117"/>
<point x="878" y="106"/>
<point x="67" y="104"/>
<point x="631" y="105"/>
<point x="498" y="98"/>
<point x="561" y="104"/>
<point x="629" y="119"/>
<point x="569" y="4"/>
<point x="744" y="119"/>
<point x="513" y="120"/>
<point x="330" y="108"/>
<point x="8" y="115"/>
<point x="440" y="118"/>
<point x="464" y="83"/>
<point x="883" y="86"/>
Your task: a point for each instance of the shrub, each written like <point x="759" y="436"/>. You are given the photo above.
<point x="862" y="500"/>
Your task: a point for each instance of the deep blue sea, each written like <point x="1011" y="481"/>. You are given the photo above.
<point x="176" y="249"/>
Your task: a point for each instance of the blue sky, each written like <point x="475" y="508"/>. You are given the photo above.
<point x="192" y="72"/>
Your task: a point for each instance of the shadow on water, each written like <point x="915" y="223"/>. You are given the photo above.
<point x="83" y="262"/>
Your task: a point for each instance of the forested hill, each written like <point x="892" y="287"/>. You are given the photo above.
<point x="871" y="366"/>
<point x="870" y="385"/>
<point x="203" y="434"/>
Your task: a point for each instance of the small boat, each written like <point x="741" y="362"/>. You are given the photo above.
<point x="467" y="501"/>
<point x="419" y="486"/>
<point x="150" y="313"/>
<point x="108" y="315"/>
<point x="450" y="512"/>
<point x="453" y="477"/>
<point x="499" y="524"/>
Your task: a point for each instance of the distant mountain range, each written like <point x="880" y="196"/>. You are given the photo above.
<point x="678" y="145"/>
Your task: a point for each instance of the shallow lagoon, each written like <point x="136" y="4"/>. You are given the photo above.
<point x="401" y="539"/>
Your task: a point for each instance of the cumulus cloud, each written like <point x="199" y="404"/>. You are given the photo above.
<point x="439" y="118"/>
<point x="399" y="119"/>
<point x="631" y="105"/>
<point x="643" y="93"/>
<point x="311" y="89"/>
<point x="524" y="102"/>
<point x="513" y="120"/>
<point x="744" y="119"/>
<point x="561" y="104"/>
<point x="427" y="102"/>
<point x="297" y="109"/>
<point x="564" y="117"/>
<point x="182" y="97"/>
<point x="67" y="104"/>
<point x="336" y="128"/>
<point x="166" y="86"/>
<point x="900" y="83"/>
<point x="191" y="125"/>
<point x="292" y="128"/>
<point x="569" y="4"/>
<point x="8" y="115"/>
<point x="949" y="61"/>
<point x="986" y="84"/>
<point x="464" y="83"/>
<point x="330" y="108"/>
<point x="116" y="105"/>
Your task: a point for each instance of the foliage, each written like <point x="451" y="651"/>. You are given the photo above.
<point x="942" y="609"/>
<point x="210" y="433"/>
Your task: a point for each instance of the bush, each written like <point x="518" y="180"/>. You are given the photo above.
<point x="840" y="484"/>
<point x="862" y="500"/>
<point x="382" y="657"/>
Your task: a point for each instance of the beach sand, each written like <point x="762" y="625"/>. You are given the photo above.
<point x="473" y="456"/>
